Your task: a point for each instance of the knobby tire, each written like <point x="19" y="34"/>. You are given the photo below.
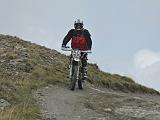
<point x="74" y="76"/>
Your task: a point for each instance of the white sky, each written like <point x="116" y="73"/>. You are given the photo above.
<point x="125" y="33"/>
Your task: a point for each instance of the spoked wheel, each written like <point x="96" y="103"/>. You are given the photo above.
<point x="74" y="76"/>
<point x="80" y="81"/>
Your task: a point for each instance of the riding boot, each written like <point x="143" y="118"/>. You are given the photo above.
<point x="84" y="73"/>
<point x="84" y="66"/>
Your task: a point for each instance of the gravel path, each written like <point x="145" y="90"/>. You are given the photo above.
<point x="59" y="103"/>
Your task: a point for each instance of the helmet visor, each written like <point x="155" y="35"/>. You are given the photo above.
<point x="78" y="25"/>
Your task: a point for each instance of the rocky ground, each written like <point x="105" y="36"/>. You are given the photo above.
<point x="59" y="103"/>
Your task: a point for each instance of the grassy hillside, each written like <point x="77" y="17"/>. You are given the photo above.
<point x="25" y="66"/>
<point x="116" y="82"/>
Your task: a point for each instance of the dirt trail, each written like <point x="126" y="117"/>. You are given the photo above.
<point x="59" y="103"/>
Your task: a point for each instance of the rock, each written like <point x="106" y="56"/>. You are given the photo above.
<point x="137" y="98"/>
<point x="13" y="62"/>
<point x="48" y="116"/>
<point x="24" y="54"/>
<point x="107" y="109"/>
<point x="1" y="61"/>
<point x="3" y="104"/>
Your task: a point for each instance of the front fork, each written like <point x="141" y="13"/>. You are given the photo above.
<point x="71" y="68"/>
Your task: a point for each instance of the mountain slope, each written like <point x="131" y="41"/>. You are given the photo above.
<point x="25" y="66"/>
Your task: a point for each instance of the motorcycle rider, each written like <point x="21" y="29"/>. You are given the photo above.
<point x="81" y="39"/>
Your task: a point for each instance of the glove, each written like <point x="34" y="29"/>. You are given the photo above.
<point x="63" y="46"/>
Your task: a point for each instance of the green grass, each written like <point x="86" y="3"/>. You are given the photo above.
<point x="17" y="91"/>
<point x="116" y="82"/>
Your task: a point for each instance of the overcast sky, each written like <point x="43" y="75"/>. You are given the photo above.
<point x="125" y="33"/>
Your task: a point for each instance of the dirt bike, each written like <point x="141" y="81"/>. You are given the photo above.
<point x="75" y="67"/>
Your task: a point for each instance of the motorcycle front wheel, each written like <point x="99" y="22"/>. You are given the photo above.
<point x="80" y="82"/>
<point x="74" y="76"/>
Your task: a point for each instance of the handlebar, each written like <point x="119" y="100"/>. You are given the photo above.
<point x="70" y="49"/>
<point x="66" y="48"/>
<point x="86" y="51"/>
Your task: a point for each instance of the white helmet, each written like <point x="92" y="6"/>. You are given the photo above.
<point x="78" y="24"/>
